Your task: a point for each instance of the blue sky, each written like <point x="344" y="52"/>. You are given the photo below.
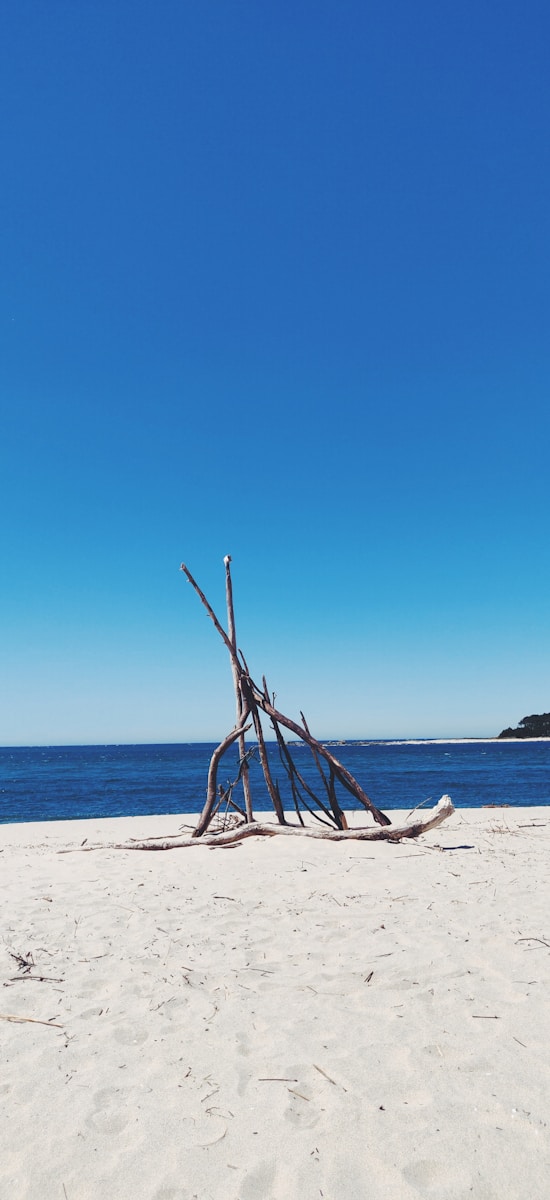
<point x="275" y="284"/>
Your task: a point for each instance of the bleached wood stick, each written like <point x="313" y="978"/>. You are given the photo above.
<point x="444" y="809"/>
<point x="29" y="1020"/>
<point x="237" y="671"/>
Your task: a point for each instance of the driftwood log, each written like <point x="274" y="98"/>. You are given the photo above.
<point x="237" y="833"/>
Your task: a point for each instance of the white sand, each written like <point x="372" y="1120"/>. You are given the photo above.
<point x="281" y="1020"/>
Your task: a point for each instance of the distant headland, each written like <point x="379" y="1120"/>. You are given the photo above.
<point x="530" y="727"/>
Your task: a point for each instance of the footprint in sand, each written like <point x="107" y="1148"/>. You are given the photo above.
<point x="431" y="1176"/>
<point x="259" y="1183"/>
<point x="128" y="1035"/>
<point x="94" y="987"/>
<point x="301" y="1109"/>
<point x="112" y="1111"/>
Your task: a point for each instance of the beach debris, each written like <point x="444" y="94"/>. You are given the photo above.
<point x="36" y="979"/>
<point x="30" y="1020"/>
<point x="329" y="1077"/>
<point x="24" y="961"/>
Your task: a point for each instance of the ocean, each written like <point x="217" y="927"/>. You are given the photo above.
<point x="51" y="783"/>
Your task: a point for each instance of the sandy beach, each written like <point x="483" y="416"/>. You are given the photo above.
<point x="284" y="1018"/>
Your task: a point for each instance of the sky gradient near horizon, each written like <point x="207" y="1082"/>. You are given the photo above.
<point x="275" y="284"/>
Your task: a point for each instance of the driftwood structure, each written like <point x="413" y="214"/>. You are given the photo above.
<point x="251" y="701"/>
<point x="228" y="814"/>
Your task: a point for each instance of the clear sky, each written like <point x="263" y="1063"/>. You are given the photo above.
<point x="275" y="283"/>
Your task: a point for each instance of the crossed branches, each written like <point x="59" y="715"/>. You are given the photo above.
<point x="252" y="700"/>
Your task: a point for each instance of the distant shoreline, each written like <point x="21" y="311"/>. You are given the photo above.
<point x="422" y="741"/>
<point x="375" y="741"/>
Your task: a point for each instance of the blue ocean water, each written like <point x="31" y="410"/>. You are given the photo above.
<point x="65" y="782"/>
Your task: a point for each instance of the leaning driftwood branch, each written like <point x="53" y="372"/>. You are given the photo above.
<point x="394" y="833"/>
<point x="212" y="788"/>
<point x="236" y="670"/>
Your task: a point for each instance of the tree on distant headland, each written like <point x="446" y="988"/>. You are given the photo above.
<point x="536" y="726"/>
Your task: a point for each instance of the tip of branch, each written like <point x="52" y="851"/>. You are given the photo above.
<point x="227" y="560"/>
